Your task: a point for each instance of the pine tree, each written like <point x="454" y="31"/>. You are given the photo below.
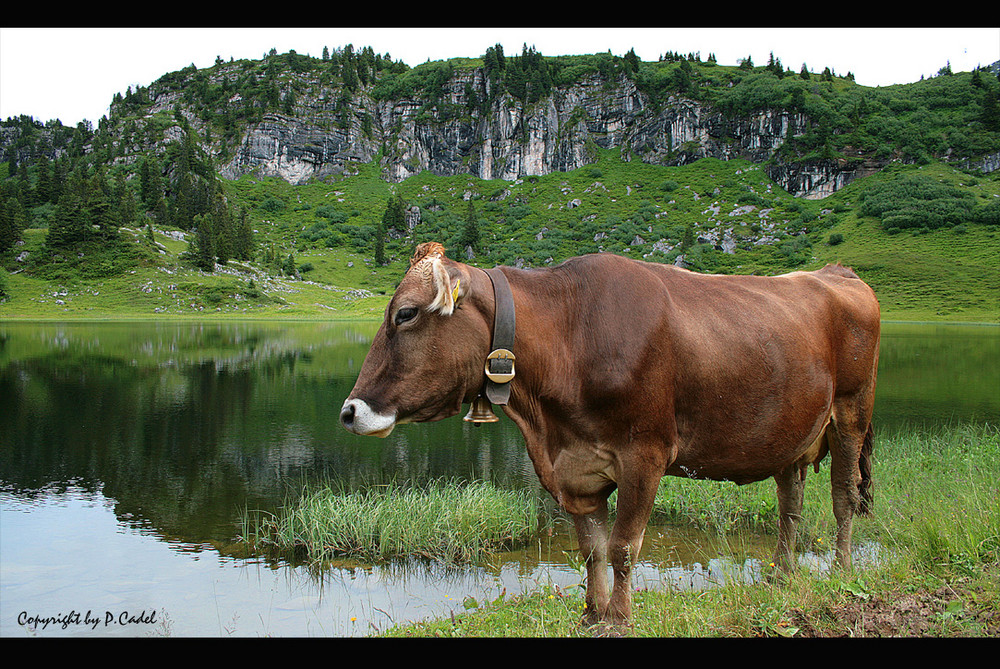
<point x="183" y="204"/>
<point x="43" y="180"/>
<point x="243" y="239"/>
<point x="127" y="209"/>
<point x="632" y="60"/>
<point x="160" y="213"/>
<point x="12" y="222"/>
<point x="688" y="241"/>
<point x="101" y="205"/>
<point x="70" y="224"/>
<point x="203" y="253"/>
<point x="349" y="72"/>
<point x="223" y="235"/>
<point x="470" y="230"/>
<point x="60" y="168"/>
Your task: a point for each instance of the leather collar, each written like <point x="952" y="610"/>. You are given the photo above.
<point x="500" y="363"/>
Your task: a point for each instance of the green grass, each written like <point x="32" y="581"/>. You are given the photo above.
<point x="440" y="521"/>
<point x="948" y="274"/>
<point x="164" y="286"/>
<point x="939" y="499"/>
<point x="937" y="520"/>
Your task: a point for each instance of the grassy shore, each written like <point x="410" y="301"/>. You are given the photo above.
<point x="937" y="522"/>
<point x="441" y="521"/>
<point x="243" y="293"/>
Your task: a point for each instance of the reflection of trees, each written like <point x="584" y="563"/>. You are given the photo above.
<point x="932" y="374"/>
<point x="185" y="427"/>
<point x="149" y="437"/>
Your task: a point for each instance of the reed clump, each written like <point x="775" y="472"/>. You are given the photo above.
<point x="443" y="520"/>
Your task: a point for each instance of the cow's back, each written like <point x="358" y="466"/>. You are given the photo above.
<point x="728" y="365"/>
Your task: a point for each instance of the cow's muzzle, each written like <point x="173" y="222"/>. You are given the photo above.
<point x="357" y="417"/>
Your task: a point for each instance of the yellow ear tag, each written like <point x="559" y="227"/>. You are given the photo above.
<point x="454" y="293"/>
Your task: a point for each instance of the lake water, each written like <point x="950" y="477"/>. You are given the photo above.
<point x="128" y="452"/>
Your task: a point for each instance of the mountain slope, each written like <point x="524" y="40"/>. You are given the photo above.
<point x="337" y="162"/>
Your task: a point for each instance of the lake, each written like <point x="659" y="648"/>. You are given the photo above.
<point x="129" y="451"/>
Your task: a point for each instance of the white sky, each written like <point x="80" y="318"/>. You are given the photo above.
<point x="72" y="73"/>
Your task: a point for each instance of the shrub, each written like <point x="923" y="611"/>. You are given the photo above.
<point x="272" y="205"/>
<point x="916" y="202"/>
<point x="989" y="214"/>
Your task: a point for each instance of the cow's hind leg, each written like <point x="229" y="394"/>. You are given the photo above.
<point x="850" y="475"/>
<point x="791" y="489"/>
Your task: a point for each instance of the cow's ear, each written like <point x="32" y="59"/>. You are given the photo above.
<point x="449" y="287"/>
<point x="459" y="285"/>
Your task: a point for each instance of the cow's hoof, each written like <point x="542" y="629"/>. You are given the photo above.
<point x="601" y="628"/>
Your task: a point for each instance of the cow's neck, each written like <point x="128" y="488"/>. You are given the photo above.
<point x="500" y="367"/>
<point x="541" y="347"/>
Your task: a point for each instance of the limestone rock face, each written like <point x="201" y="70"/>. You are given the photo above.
<point x="294" y="150"/>
<point x="325" y="132"/>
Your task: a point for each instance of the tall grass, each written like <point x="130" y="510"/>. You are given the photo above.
<point x="937" y="495"/>
<point x="720" y="507"/>
<point x="443" y="521"/>
<point x="939" y="500"/>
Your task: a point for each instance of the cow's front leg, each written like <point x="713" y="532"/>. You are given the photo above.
<point x="592" y="533"/>
<point x="635" y="502"/>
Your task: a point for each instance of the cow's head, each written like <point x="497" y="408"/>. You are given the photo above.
<point x="427" y="358"/>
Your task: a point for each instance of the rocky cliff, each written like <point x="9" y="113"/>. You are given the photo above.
<point x="322" y="132"/>
<point x="515" y="139"/>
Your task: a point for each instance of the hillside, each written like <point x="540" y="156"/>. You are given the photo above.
<point x="285" y="188"/>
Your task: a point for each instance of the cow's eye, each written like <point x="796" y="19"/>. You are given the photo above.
<point x="405" y="314"/>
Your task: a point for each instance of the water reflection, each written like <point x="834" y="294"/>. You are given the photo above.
<point x="128" y="452"/>
<point x="932" y="374"/>
<point x="185" y="424"/>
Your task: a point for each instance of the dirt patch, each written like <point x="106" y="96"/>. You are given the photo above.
<point x="946" y="611"/>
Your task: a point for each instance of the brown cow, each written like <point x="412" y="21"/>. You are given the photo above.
<point x="627" y="371"/>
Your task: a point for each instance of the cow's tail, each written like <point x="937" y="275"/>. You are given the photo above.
<point x="866" y="500"/>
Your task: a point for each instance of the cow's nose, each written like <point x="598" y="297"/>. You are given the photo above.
<point x="347" y="415"/>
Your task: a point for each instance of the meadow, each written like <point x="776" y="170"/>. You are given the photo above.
<point x="937" y="511"/>
<point x="316" y="242"/>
